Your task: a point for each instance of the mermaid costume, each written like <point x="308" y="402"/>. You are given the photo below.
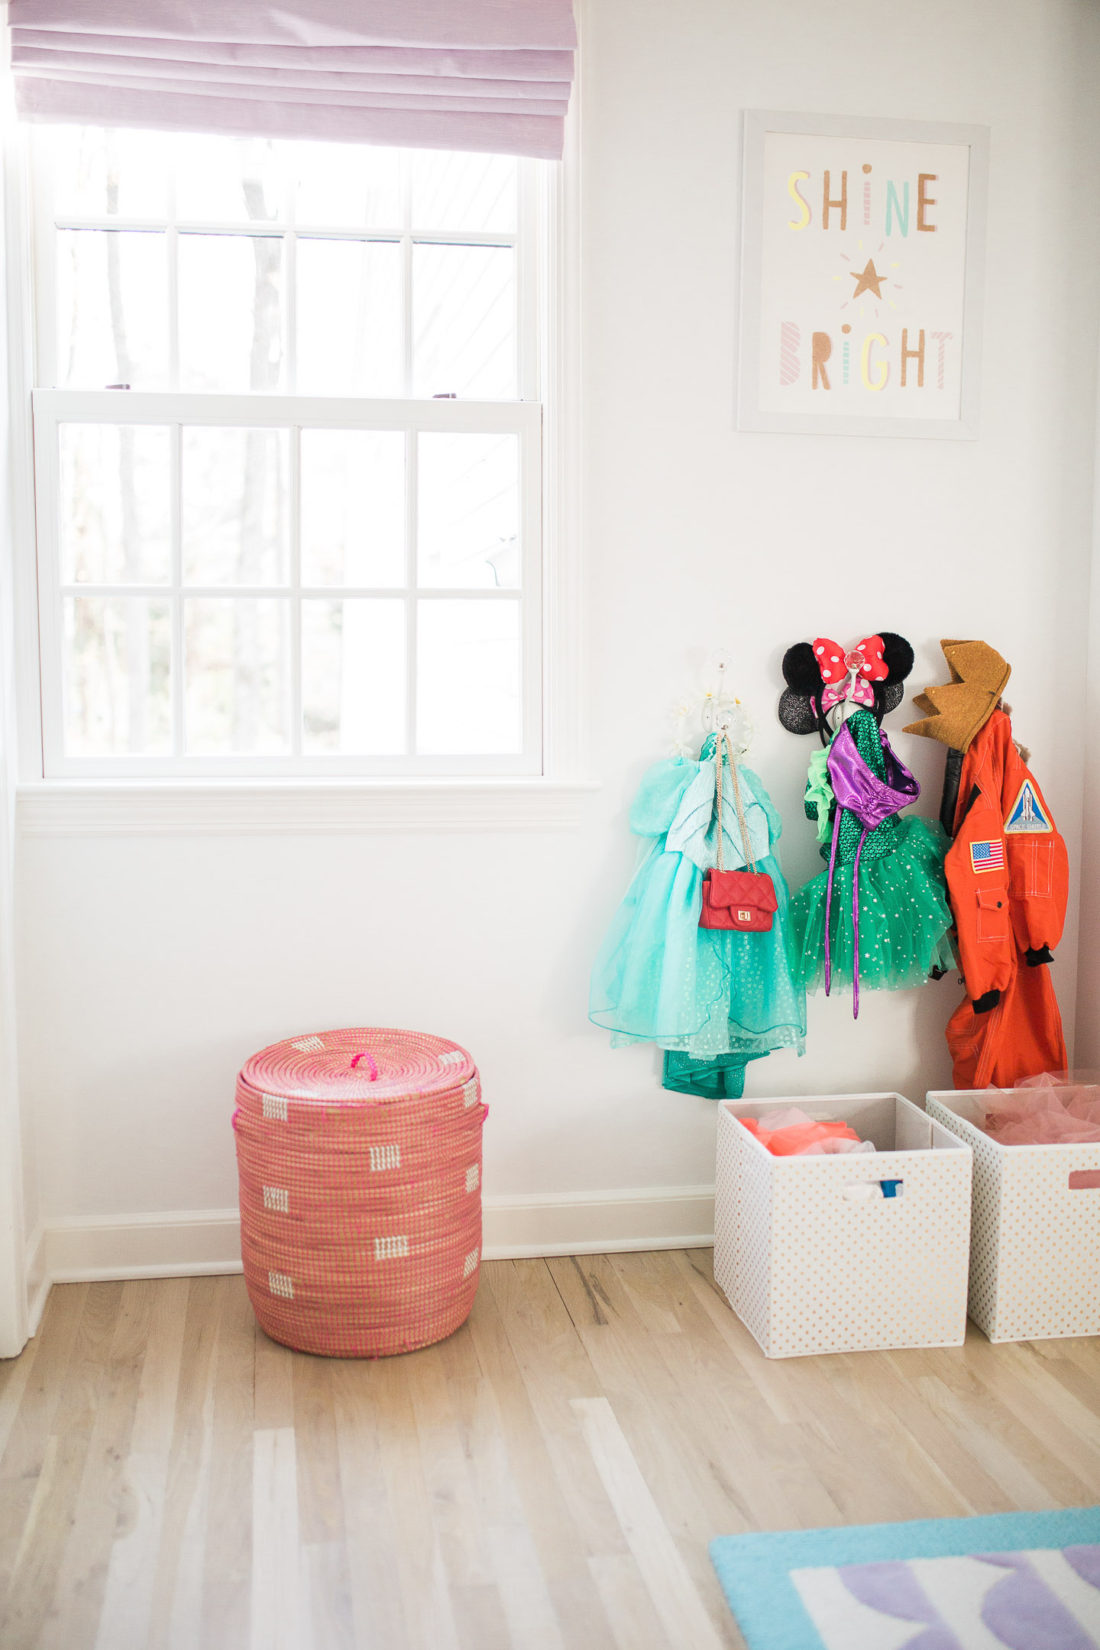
<point x="713" y="999"/>
<point x="878" y="917"/>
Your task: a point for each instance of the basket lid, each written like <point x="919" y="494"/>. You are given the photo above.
<point x="370" y="1064"/>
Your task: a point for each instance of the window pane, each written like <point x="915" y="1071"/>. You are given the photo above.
<point x="114" y="523"/>
<point x="345" y="186"/>
<point x="227" y="180"/>
<point x="468" y="511"/>
<point x="464" y="321"/>
<point x="231" y="312"/>
<point x="353" y="507"/>
<point x="117" y="676"/>
<point x="236" y="676"/>
<point x="468" y="678"/>
<point x="463" y="191"/>
<point x="353" y="677"/>
<point x="235" y="513"/>
<point x="99" y="171"/>
<point x="350" y="326"/>
<point x="112" y="309"/>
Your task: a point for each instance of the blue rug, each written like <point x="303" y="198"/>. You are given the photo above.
<point x="1014" y="1581"/>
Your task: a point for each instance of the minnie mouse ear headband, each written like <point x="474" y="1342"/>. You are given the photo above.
<point x="822" y="674"/>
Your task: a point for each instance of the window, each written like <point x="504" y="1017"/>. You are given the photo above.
<point x="288" y="454"/>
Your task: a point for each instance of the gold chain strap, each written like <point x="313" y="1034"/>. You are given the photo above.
<point x="723" y="739"/>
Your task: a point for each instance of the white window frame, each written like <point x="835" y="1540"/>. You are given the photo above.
<point x="549" y="675"/>
<point x="522" y="419"/>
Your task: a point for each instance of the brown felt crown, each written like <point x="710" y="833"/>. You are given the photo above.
<point x="957" y="711"/>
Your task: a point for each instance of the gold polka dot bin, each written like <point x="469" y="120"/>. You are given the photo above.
<point x="844" y="1253"/>
<point x="1035" y="1230"/>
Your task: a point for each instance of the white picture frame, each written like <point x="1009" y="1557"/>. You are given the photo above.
<point x="897" y="207"/>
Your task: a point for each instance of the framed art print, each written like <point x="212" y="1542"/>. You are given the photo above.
<point x="861" y="276"/>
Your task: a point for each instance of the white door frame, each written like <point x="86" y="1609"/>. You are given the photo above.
<point x="15" y="484"/>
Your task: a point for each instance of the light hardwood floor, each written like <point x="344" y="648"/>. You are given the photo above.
<point x="546" y="1479"/>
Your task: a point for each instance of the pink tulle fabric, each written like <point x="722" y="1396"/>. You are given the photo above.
<point x="791" y="1132"/>
<point x="1053" y="1109"/>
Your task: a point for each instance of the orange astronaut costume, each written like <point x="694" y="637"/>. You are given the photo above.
<point x="1008" y="882"/>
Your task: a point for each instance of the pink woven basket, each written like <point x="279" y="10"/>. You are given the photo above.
<point x="359" y="1154"/>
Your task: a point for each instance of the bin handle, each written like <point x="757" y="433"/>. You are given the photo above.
<point x="864" y="1190"/>
<point x="373" y="1068"/>
<point x="1083" y="1180"/>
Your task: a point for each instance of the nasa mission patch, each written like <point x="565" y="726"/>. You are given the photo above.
<point x="1027" y="814"/>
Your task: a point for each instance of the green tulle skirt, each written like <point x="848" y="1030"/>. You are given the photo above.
<point x="904" y="917"/>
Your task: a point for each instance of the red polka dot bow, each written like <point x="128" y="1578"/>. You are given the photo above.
<point x="848" y="675"/>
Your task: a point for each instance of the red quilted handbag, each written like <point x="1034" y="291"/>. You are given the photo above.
<point x="744" y="900"/>
<point x="740" y="900"/>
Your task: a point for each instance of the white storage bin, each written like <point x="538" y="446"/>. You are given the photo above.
<point x="1035" y="1230"/>
<point x="814" y="1258"/>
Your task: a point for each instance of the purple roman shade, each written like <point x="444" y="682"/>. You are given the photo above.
<point x="438" y="74"/>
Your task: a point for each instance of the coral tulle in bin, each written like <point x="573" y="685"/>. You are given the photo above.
<point x="359" y="1154"/>
<point x="1057" y="1108"/>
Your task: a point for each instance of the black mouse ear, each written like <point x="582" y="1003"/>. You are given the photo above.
<point x="897" y="656"/>
<point x="798" y="712"/>
<point x="800" y="671"/>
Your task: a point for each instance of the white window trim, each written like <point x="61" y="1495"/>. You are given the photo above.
<point x="553" y="800"/>
<point x="314" y="807"/>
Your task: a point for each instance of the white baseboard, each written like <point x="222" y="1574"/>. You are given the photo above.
<point x="171" y="1245"/>
<point x="187" y="1243"/>
<point x="37" y="1279"/>
<point x="560" y="1223"/>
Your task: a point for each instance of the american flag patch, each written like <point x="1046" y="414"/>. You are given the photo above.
<point x="987" y="856"/>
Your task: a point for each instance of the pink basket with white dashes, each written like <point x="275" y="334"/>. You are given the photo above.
<point x="359" y="1154"/>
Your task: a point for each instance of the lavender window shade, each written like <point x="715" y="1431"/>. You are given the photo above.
<point x="439" y="74"/>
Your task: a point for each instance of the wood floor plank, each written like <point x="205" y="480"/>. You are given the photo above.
<point x="126" y="1613"/>
<point x="321" y="1512"/>
<point x="524" y="1595"/>
<point x="227" y="1556"/>
<point x="556" y="1369"/>
<point x="479" y="1617"/>
<point x="327" y="1585"/>
<point x="447" y="1469"/>
<point x="666" y="1576"/>
<point x="15" y="1375"/>
<point x="176" y="1617"/>
<point x="1057" y="1421"/>
<point x="102" y="1505"/>
<point x="279" y="1615"/>
<point x="548" y="1507"/>
<point x="40" y="1590"/>
<point x="273" y="1384"/>
<point x="627" y="1604"/>
<point x="376" y="1606"/>
<point x="28" y="1438"/>
<point x="426" y="1606"/>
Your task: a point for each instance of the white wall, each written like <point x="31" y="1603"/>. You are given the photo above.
<point x="150" y="967"/>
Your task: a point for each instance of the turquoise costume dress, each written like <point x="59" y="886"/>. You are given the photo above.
<point x="713" y="999"/>
<point x="904" y="917"/>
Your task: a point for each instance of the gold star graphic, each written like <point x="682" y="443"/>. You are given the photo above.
<point x="868" y="280"/>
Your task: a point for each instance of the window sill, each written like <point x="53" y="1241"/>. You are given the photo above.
<point x="316" y="807"/>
